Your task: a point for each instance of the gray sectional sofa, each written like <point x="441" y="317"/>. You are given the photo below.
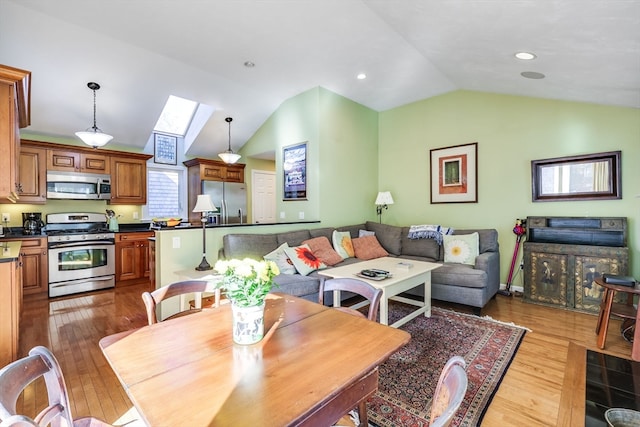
<point x="471" y="285"/>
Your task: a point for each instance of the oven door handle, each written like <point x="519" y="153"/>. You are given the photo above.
<point x="76" y="244"/>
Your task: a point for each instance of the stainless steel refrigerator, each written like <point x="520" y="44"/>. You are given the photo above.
<point x="231" y="200"/>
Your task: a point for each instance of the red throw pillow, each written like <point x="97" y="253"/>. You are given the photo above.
<point x="368" y="247"/>
<point x="321" y="248"/>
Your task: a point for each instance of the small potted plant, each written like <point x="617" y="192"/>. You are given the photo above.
<point x="246" y="283"/>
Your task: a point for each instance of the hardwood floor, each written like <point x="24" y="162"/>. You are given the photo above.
<point x="528" y="396"/>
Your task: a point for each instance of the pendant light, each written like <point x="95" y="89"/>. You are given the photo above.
<point x="93" y="136"/>
<point x="229" y="156"/>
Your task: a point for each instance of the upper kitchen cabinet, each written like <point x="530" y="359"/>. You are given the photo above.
<point x="215" y="170"/>
<point x="15" y="113"/>
<point x="129" y="179"/>
<point x="32" y="174"/>
<point x="77" y="160"/>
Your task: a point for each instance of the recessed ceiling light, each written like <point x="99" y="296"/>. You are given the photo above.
<point x="532" y="75"/>
<point x="527" y="56"/>
<point x="361" y="76"/>
<point x="249" y="64"/>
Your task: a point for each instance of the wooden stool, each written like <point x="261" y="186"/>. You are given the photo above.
<point x="608" y="308"/>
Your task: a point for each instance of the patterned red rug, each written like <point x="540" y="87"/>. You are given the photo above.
<point x="408" y="379"/>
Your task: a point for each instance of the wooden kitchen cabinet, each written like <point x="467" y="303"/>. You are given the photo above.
<point x="10" y="308"/>
<point x="35" y="263"/>
<point x="15" y="113"/>
<point x="199" y="170"/>
<point x="129" y="179"/>
<point x="132" y="258"/>
<point x="32" y="176"/>
<point x="152" y="263"/>
<point x="76" y="160"/>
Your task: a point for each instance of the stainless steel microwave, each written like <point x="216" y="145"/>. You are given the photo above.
<point x="78" y="186"/>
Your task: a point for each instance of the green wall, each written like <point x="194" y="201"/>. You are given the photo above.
<point x="341" y="138"/>
<point x="511" y="131"/>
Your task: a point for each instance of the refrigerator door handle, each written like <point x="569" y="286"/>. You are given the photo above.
<point x="240" y="215"/>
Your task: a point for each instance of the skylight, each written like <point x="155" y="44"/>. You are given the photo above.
<point x="176" y="116"/>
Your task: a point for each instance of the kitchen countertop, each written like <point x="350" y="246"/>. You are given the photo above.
<point x="10" y="251"/>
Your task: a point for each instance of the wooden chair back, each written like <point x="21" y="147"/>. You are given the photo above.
<point x="360" y="287"/>
<point x="16" y="376"/>
<point x="450" y="391"/>
<point x="152" y="299"/>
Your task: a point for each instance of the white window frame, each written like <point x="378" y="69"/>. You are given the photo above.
<point x="182" y="189"/>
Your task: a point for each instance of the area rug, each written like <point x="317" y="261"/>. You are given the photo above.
<point x="408" y="379"/>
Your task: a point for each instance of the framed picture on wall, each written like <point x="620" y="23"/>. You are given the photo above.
<point x="294" y="165"/>
<point x="165" y="149"/>
<point x="454" y="174"/>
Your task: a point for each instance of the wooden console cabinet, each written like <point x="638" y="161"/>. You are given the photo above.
<point x="132" y="258"/>
<point x="564" y="255"/>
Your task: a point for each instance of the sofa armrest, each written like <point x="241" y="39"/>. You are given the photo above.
<point x="490" y="262"/>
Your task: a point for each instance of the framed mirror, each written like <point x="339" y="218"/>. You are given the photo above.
<point x="587" y="177"/>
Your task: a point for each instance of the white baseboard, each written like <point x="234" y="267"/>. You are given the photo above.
<point x="519" y="289"/>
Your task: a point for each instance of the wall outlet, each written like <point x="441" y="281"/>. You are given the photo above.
<point x="301" y="215"/>
<point x="176" y="243"/>
<point x="6" y="217"/>
<point x="282" y="215"/>
<point x="135" y="215"/>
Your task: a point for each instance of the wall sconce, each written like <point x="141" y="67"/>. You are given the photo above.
<point x="383" y="201"/>
<point x="204" y="205"/>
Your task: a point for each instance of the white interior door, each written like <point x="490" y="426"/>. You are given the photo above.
<point x="263" y="196"/>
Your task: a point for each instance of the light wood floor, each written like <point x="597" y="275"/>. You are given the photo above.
<point x="528" y="396"/>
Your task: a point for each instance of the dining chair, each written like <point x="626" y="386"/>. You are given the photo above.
<point x="16" y="376"/>
<point x="360" y="287"/>
<point x="450" y="391"/>
<point x="152" y="299"/>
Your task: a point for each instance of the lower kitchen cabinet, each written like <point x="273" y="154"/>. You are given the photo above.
<point x="10" y="308"/>
<point x="35" y="271"/>
<point x="132" y="258"/>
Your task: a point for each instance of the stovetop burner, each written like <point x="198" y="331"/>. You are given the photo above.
<point x="77" y="226"/>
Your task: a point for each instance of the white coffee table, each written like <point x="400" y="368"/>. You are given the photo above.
<point x="402" y="280"/>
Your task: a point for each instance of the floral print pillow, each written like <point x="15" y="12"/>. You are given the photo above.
<point x="304" y="260"/>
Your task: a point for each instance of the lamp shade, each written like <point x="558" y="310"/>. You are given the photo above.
<point x="229" y="157"/>
<point x="384" y="198"/>
<point x="94" y="138"/>
<point x="204" y="204"/>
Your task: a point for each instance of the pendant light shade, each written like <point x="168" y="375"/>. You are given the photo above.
<point x="229" y="156"/>
<point x="94" y="136"/>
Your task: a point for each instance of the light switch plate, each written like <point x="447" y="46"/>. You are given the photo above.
<point x="176" y="243"/>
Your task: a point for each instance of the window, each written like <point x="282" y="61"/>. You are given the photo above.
<point x="165" y="188"/>
<point x="176" y="116"/>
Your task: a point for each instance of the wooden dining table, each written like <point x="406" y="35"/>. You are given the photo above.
<point x="313" y="366"/>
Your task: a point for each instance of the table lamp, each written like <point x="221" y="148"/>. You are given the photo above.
<point x="204" y="205"/>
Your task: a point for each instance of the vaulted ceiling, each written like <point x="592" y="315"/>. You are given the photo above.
<point x="142" y="51"/>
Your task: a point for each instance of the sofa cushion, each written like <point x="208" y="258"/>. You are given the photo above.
<point x="293" y="238"/>
<point x="281" y="259"/>
<point x="462" y="248"/>
<point x="321" y="248"/>
<point x="240" y="246"/>
<point x="352" y="229"/>
<point x="488" y="238"/>
<point x="342" y="244"/>
<point x="362" y="233"/>
<point x="459" y="275"/>
<point x="304" y="260"/>
<point x="296" y="285"/>
<point x="319" y="232"/>
<point x="428" y="248"/>
<point x="389" y="236"/>
<point x="368" y="247"/>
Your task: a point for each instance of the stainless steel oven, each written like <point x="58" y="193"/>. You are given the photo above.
<point x="81" y="253"/>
